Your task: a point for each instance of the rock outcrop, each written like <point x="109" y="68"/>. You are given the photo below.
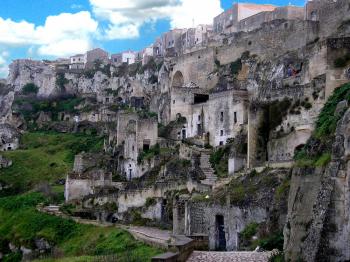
<point x="318" y="226"/>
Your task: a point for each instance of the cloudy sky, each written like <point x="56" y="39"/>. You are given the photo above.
<point x="58" y="28"/>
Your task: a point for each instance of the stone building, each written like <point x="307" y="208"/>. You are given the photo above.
<point x="285" y="12"/>
<point x="77" y="61"/>
<point x="158" y="47"/>
<point x="227" y="22"/>
<point x="136" y="135"/>
<point x="215" y="116"/>
<point x="86" y="179"/>
<point x="128" y="57"/>
<point x="94" y="55"/>
<point x="147" y="54"/>
<point x="196" y="38"/>
<point x="220" y="223"/>
<point x="172" y="43"/>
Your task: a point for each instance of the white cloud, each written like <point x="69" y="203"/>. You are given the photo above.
<point x="3" y="64"/>
<point x="125" y="17"/>
<point x="195" y="12"/>
<point x="76" y="6"/>
<point x="61" y="35"/>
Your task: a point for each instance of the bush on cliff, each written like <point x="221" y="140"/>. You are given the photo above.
<point x="317" y="151"/>
<point x="30" y="88"/>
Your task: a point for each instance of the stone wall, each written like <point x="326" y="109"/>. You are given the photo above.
<point x="200" y="218"/>
<point x="196" y="67"/>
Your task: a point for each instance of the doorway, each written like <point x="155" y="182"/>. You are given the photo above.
<point x="220" y="233"/>
<point x="183" y="133"/>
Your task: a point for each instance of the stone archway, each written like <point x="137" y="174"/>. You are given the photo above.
<point x="178" y="79"/>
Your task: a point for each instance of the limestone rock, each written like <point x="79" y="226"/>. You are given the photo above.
<point x="4" y="162"/>
<point x="9" y="137"/>
<point x="341" y="106"/>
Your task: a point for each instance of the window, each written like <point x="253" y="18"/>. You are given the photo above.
<point x="221" y="143"/>
<point x="199" y="118"/>
<point x="221" y="116"/>
<point x="173" y="101"/>
<point x="221" y="132"/>
<point x="235" y="117"/>
<point x="133" y="148"/>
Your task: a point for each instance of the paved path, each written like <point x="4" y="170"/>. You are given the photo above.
<point x="150" y="235"/>
<point x="202" y="256"/>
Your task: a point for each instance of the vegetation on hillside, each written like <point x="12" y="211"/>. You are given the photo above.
<point x="317" y="151"/>
<point x="44" y="157"/>
<point x="29" y="107"/>
<point x="30" y="88"/>
<point x="22" y="224"/>
<point x="219" y="161"/>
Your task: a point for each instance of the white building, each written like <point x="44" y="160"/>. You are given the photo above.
<point x="77" y="61"/>
<point x="147" y="54"/>
<point x="128" y="57"/>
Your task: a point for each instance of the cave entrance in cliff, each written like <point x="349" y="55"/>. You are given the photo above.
<point x="220" y="233"/>
<point x="178" y="79"/>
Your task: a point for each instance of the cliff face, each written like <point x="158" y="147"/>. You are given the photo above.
<point x="42" y="75"/>
<point x="318" y="226"/>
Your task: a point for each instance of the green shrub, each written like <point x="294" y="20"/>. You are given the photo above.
<point x="235" y="67"/>
<point x="249" y="231"/>
<point x="219" y="161"/>
<point x="61" y="81"/>
<point x="150" y="201"/>
<point x="323" y="160"/>
<point x="279" y="257"/>
<point x="282" y="189"/>
<point x="342" y="61"/>
<point x="148" y="154"/>
<point x="273" y="241"/>
<point x="13" y="257"/>
<point x="30" y="88"/>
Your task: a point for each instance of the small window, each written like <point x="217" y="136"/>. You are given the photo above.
<point x="133" y="148"/>
<point x="235" y="117"/>
<point x="221" y="132"/>
<point x="221" y="143"/>
<point x="173" y="101"/>
<point x="221" y="116"/>
<point x="199" y="118"/>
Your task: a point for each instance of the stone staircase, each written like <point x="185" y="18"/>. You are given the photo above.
<point x="207" y="170"/>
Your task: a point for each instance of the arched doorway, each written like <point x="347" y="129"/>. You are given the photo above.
<point x="178" y="79"/>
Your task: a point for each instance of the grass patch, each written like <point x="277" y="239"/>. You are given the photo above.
<point x="323" y="160"/>
<point x="45" y="157"/>
<point x="22" y="224"/>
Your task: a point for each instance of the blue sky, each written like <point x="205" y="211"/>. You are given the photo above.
<point x="47" y="29"/>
